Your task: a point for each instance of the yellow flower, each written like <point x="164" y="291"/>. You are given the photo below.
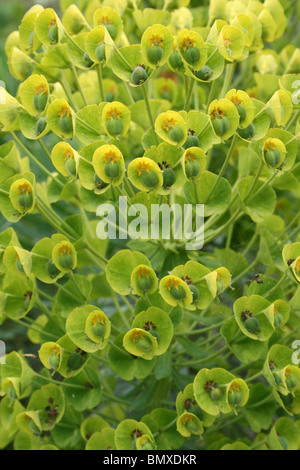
<point x="143" y="166"/>
<point x="113" y="113"/>
<point x="142" y="272"/>
<point x="173" y="282"/>
<point x="136" y="335"/>
<point x="42" y="88"/>
<point x="97" y="318"/>
<point x="168" y="124"/>
<point x="156" y="40"/>
<point x="187" y="42"/>
<point x="65" y="111"/>
<point x="64" y="249"/>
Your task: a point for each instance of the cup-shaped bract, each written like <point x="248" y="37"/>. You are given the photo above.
<point x="34" y="94"/>
<point x="157" y="45"/>
<point x="60" y="118"/>
<point x="192" y="48"/>
<point x="274" y="152"/>
<point x="231" y="43"/>
<point x="140" y="343"/>
<point x="171" y="127"/>
<point x="175" y="291"/>
<point x="110" y="19"/>
<point x="224" y="118"/>
<point x="50" y="355"/>
<point x="237" y="393"/>
<point x="65" y="159"/>
<point x="64" y="256"/>
<point x="193" y="162"/>
<point x="108" y="163"/>
<point x="251" y="318"/>
<point x="116" y="119"/>
<point x="158" y="323"/>
<point x="244" y="106"/>
<point x="48" y="27"/>
<point x="143" y="280"/>
<point x="22" y="196"/>
<point x="145" y="174"/>
<point x="128" y="432"/>
<point x="73" y="20"/>
<point x="29" y="41"/>
<point x="99" y="45"/>
<point x="189" y="424"/>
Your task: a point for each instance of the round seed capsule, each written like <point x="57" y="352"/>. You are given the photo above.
<point x="283" y="442"/>
<point x="169" y="177"/>
<point x="287" y="399"/>
<point x="176" y="134"/>
<point x="176" y="60"/>
<point x="272" y="157"/>
<point x="166" y="95"/>
<point x="155" y="54"/>
<point x="278" y="320"/>
<point x="139" y="75"/>
<point x="71" y="166"/>
<point x="88" y="61"/>
<point x="144" y="344"/>
<point x="66" y="261"/>
<point x="115" y="126"/>
<point x="53" y="34"/>
<point x="192" y="426"/>
<point x="98" y="329"/>
<point x="252" y="325"/>
<point x="221" y="126"/>
<point x="235" y="397"/>
<point x="242" y="112"/>
<point x="65" y="124"/>
<point x="215" y="394"/>
<point x="34" y="427"/>
<point x="277" y="378"/>
<point x="109" y="97"/>
<point x="204" y="74"/>
<point x="195" y="293"/>
<point x="54" y="361"/>
<point x="149" y="179"/>
<point x="98" y="182"/>
<point x="100" y="52"/>
<point x="112" y="170"/>
<point x="41" y="125"/>
<point x="112" y="30"/>
<point x="192" y="55"/>
<point x="147" y="446"/>
<point x="191" y="141"/>
<point x="40" y="101"/>
<point x="291" y="382"/>
<point x="52" y="269"/>
<point x="144" y="284"/>
<point x="75" y="361"/>
<point x="19" y="265"/>
<point x="25" y="200"/>
<point x="192" y="169"/>
<point x="248" y="132"/>
<point x="178" y="293"/>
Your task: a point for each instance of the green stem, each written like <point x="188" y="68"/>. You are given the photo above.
<point x="100" y="81"/>
<point x="78" y="85"/>
<point x="189" y="95"/>
<point x="144" y="90"/>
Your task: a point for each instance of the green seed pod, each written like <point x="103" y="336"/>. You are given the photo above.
<point x="176" y="60"/>
<point x="195" y="293"/>
<point x="221" y="126"/>
<point x="220" y="286"/>
<point x="112" y="170"/>
<point x="19" y="266"/>
<point x="87" y="60"/>
<point x="53" y="34"/>
<point x="11" y="393"/>
<point x="242" y="112"/>
<point x="139" y="75"/>
<point x="54" y="361"/>
<point x="192" y="169"/>
<point x="52" y="269"/>
<point x="204" y="74"/>
<point x="144" y="284"/>
<point x="40" y="101"/>
<point x="149" y="179"/>
<point x="144" y="343"/>
<point x="283" y="442"/>
<point x="65" y="124"/>
<point x="109" y="97"/>
<point x="100" y="52"/>
<point x="216" y="393"/>
<point x="191" y="141"/>
<point x="115" y="126"/>
<point x="41" y="125"/>
<point x="252" y="325"/>
<point x="112" y="30"/>
<point x="278" y="319"/>
<point x="169" y="177"/>
<point x="192" y="55"/>
<point x="277" y="378"/>
<point x="248" y="132"/>
<point x="98" y="329"/>
<point x="178" y="293"/>
<point x="272" y="157"/>
<point x="147" y="446"/>
<point x="235" y="397"/>
<point x="75" y="361"/>
<point x="166" y="95"/>
<point x="25" y="200"/>
<point x="291" y="382"/>
<point x="287" y="399"/>
<point x="71" y="166"/>
<point x="192" y="426"/>
<point x="176" y="133"/>
<point x="34" y="427"/>
<point x="66" y="261"/>
<point x="155" y="54"/>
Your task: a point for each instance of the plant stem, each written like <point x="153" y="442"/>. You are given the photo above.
<point x="144" y="90"/>
<point x="100" y="81"/>
<point x="78" y="85"/>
